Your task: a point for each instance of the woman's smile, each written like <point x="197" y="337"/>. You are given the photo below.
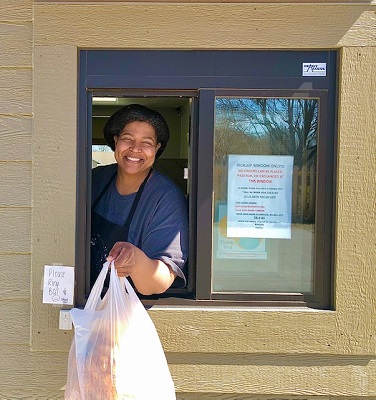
<point x="135" y="149"/>
<point x="133" y="159"/>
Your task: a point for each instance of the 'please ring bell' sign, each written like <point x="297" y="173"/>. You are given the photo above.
<point x="58" y="284"/>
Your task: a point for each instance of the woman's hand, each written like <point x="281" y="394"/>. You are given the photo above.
<point x="148" y="275"/>
<point x="124" y="254"/>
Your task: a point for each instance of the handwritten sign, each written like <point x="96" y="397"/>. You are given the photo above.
<point x="58" y="284"/>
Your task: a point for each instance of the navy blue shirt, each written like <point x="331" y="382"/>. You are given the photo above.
<point x="160" y="224"/>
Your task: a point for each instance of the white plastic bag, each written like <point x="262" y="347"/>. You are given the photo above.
<point x="116" y="353"/>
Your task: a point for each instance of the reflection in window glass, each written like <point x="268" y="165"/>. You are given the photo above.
<point x="265" y="191"/>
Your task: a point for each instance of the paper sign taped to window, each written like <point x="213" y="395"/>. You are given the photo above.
<point x="58" y="284"/>
<point x="259" y="196"/>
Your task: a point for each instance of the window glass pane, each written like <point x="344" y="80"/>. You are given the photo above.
<point x="265" y="191"/>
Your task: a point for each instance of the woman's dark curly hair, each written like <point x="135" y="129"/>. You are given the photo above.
<point x="136" y="112"/>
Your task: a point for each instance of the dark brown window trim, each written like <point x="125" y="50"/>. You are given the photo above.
<point x="96" y="77"/>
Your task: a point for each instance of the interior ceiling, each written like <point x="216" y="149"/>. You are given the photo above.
<point x="147" y="101"/>
<point x="105" y="106"/>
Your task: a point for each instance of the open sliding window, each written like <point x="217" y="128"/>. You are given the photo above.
<point x="253" y="148"/>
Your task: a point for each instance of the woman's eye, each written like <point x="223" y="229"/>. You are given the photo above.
<point x="147" y="144"/>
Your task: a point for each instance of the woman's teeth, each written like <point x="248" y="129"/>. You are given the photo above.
<point x="133" y="159"/>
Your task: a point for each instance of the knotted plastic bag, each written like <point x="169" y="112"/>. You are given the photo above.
<point x="116" y="353"/>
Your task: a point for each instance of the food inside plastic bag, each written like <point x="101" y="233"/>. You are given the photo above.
<point x="116" y="353"/>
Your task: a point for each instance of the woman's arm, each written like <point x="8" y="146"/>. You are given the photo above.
<point x="148" y="275"/>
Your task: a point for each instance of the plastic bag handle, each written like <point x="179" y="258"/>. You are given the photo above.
<point x="96" y="290"/>
<point x="115" y="284"/>
<point x="131" y="292"/>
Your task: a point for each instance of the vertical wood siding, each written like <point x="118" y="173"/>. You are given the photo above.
<point x="18" y="366"/>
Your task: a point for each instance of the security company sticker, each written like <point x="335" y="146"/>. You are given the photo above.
<point x="314" y="69"/>
<point x="58" y="284"/>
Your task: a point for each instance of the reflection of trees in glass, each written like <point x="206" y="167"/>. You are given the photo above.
<point x="267" y="126"/>
<point x="270" y="126"/>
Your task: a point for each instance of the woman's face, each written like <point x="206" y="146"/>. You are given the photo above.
<point x="136" y="147"/>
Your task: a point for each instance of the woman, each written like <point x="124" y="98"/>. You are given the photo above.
<point x="137" y="213"/>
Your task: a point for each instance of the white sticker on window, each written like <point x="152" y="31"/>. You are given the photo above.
<point x="314" y="69"/>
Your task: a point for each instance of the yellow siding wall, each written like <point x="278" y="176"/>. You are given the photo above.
<point x="213" y="353"/>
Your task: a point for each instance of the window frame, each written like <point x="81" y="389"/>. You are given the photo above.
<point x="100" y="72"/>
<point x="324" y="201"/>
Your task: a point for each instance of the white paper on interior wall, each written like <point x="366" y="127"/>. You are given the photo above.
<point x="314" y="69"/>
<point x="259" y="196"/>
<point x="237" y="247"/>
<point x="58" y="284"/>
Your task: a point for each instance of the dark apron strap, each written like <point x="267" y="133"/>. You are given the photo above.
<point x="134" y="205"/>
<point x="136" y="200"/>
<point x="104" y="190"/>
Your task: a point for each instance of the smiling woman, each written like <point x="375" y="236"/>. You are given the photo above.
<point x="139" y="216"/>
<point x="135" y="151"/>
